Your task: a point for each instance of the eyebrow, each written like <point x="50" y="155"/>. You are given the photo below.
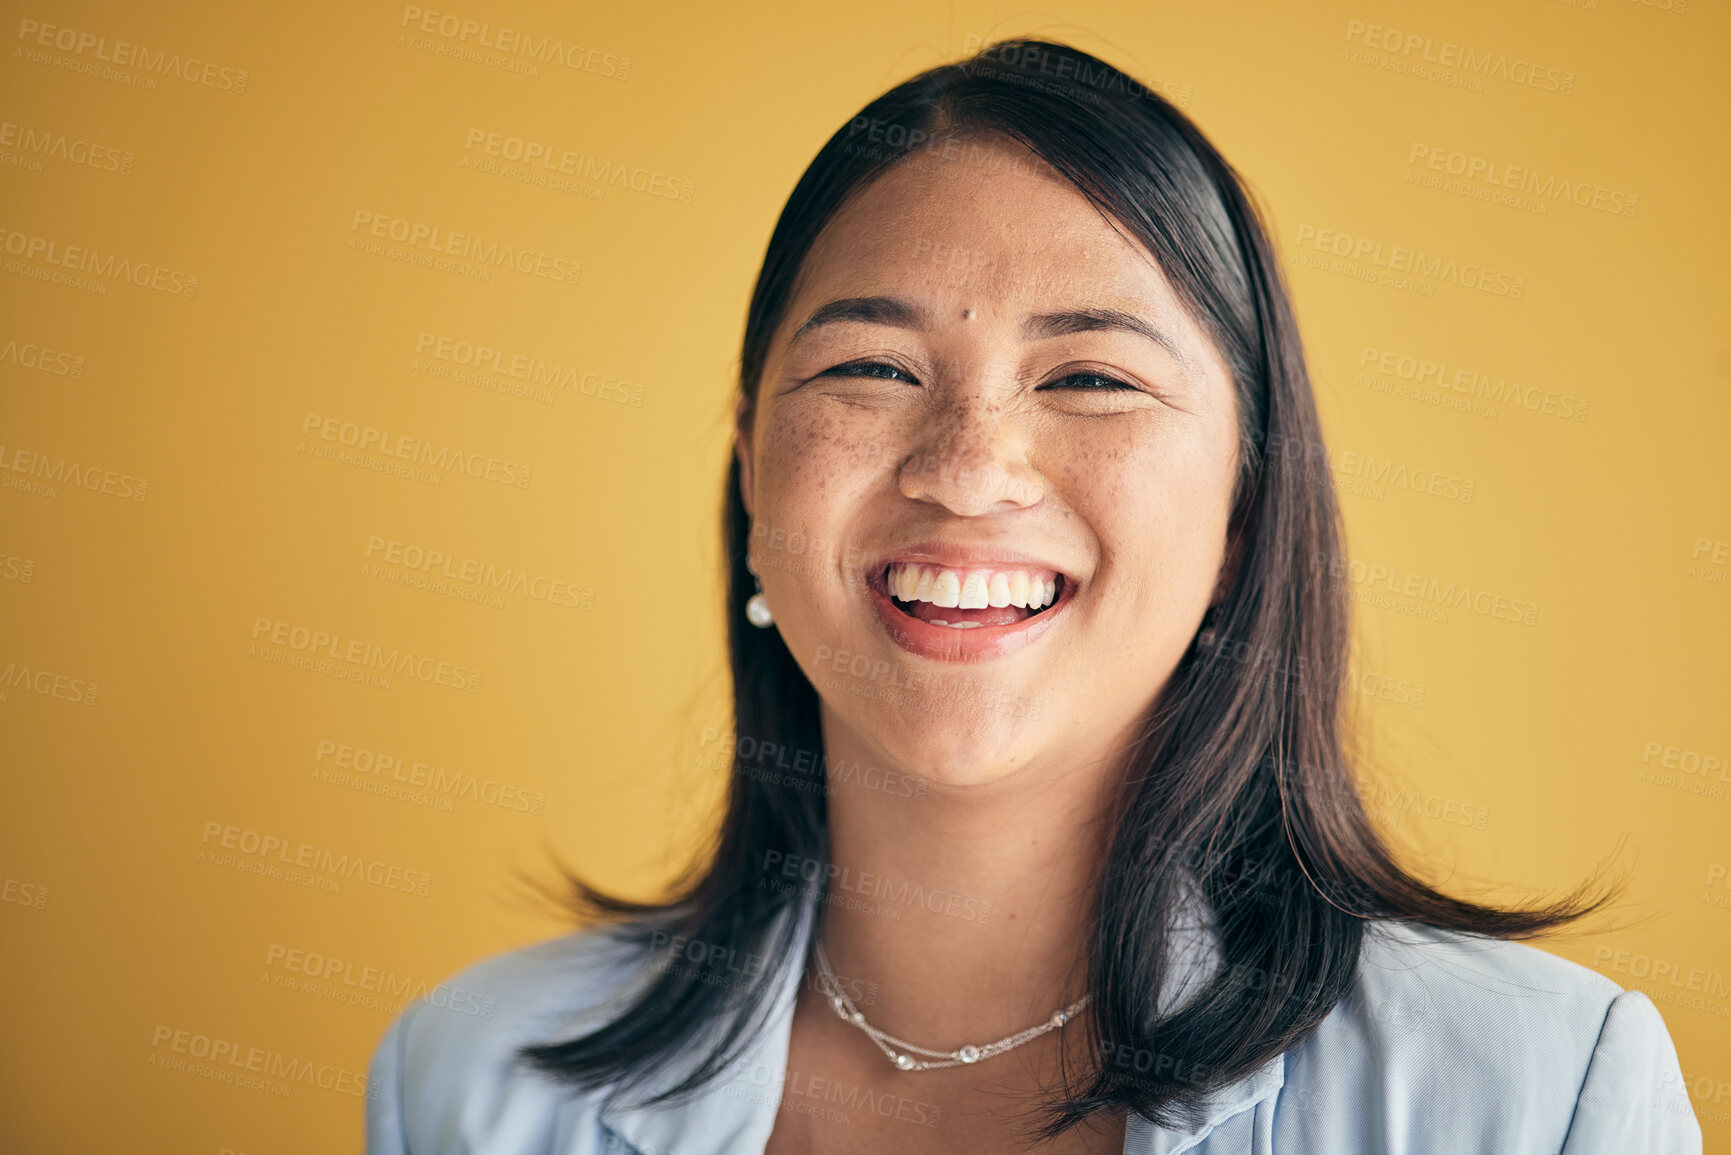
<point x="901" y="314"/>
<point x="1096" y="321"/>
<point x="891" y="311"/>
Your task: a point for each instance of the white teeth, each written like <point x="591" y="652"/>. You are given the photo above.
<point x="971" y="589"/>
<point x="946" y="589"/>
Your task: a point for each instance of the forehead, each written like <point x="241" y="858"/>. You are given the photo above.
<point x="985" y="219"/>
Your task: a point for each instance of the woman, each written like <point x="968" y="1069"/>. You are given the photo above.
<point x="1040" y="829"/>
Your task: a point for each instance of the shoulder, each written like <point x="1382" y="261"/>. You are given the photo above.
<point x="1418" y="980"/>
<point x="1434" y="1009"/>
<point x="1501" y="1043"/>
<point x="447" y="1069"/>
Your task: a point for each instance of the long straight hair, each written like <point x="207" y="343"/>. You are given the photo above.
<point x="1238" y="789"/>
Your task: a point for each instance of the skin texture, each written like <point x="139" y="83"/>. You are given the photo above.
<point x="967" y="902"/>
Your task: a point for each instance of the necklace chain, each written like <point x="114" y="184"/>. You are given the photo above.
<point x="901" y="1052"/>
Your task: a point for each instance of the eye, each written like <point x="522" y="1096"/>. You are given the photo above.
<point x="1089" y="382"/>
<point x="879" y="369"/>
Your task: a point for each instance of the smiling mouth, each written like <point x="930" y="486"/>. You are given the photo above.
<point x="970" y="598"/>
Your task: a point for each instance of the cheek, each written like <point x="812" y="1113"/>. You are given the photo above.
<point x="795" y="459"/>
<point x="813" y="456"/>
<point x="811" y="474"/>
<point x="1159" y="508"/>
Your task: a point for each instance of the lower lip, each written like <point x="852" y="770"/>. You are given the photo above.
<point x="948" y="644"/>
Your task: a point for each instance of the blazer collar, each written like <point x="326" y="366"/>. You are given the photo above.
<point x="1143" y="1138"/>
<point x="738" y="1111"/>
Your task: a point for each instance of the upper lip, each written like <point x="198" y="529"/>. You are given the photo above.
<point x="964" y="557"/>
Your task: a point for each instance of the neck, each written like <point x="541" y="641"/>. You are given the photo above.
<point x="970" y="908"/>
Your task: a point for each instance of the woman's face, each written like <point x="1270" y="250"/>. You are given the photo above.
<point x="989" y="471"/>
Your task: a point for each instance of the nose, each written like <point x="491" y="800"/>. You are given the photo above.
<point x="972" y="461"/>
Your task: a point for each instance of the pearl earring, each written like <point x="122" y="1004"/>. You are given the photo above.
<point x="757" y="606"/>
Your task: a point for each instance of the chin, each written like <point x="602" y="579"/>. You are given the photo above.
<point x="946" y="752"/>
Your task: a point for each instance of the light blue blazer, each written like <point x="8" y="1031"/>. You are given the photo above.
<point x="1447" y="1044"/>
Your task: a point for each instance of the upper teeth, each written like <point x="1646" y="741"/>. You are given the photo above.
<point x="973" y="589"/>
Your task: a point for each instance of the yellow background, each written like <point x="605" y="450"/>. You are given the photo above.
<point x="1521" y="755"/>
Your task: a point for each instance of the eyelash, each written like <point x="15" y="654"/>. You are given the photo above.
<point x="1112" y="383"/>
<point x="854" y="369"/>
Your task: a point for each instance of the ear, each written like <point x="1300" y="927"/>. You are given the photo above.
<point x="742" y="414"/>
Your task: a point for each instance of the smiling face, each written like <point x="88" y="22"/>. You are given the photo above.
<point x="989" y="470"/>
